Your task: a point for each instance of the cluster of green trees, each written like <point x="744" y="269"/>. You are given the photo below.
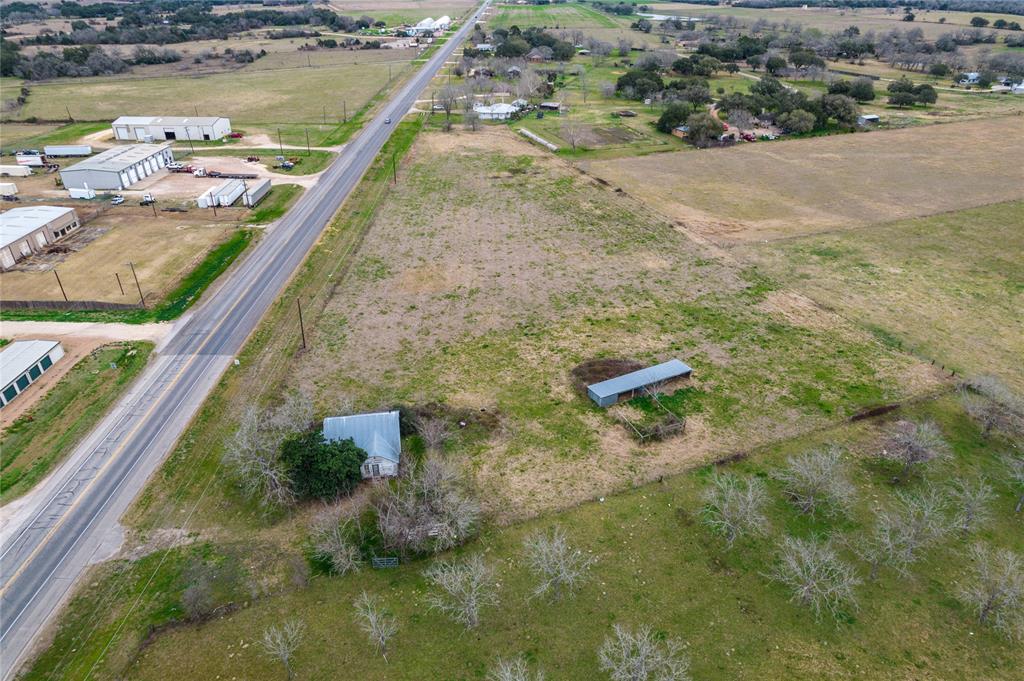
<point x="860" y="89"/>
<point x="514" y="43"/>
<point x="904" y="92"/>
<point x="793" y="110"/>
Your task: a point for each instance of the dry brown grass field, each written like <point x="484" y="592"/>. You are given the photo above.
<point x="163" y="249"/>
<point x="517" y="269"/>
<point x="787" y="188"/>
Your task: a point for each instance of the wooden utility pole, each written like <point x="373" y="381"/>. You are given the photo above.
<point x="61" y="285"/>
<point x="394" y="167"/>
<point x="280" y="146"/>
<point x="118" y="277"/>
<point x="302" y="328"/>
<point x="344" y="112"/>
<point x="70" y="119"/>
<point x="307" y="141"/>
<point x="142" y="299"/>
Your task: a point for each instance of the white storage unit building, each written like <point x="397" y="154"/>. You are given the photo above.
<point x="117" y="168"/>
<point x="166" y="128"/>
<point x="24" y="231"/>
<point x="23" y="362"/>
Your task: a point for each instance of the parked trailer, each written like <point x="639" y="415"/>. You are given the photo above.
<point x="34" y="160"/>
<point x="229" y="192"/>
<point x="82" y="193"/>
<point x="8" y="189"/>
<point x="255" y="192"/>
<point x="66" y="150"/>
<point x="15" y="171"/>
<point x="231" y="176"/>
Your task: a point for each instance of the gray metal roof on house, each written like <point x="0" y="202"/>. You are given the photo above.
<point x="638" y="379"/>
<point x="17" y="357"/>
<point x="378" y="434"/>
<point x="18" y="222"/>
<point x="117" y="159"/>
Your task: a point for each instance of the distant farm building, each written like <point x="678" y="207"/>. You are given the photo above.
<point x="681" y="131"/>
<point x="972" y="78"/>
<point x="165" y="128"/>
<point x="22" y="362"/>
<point x="117" y="168"/>
<point x="494" y="112"/>
<point x="24" y="231"/>
<point x="429" y="26"/>
<point x="865" y="120"/>
<point x="607" y="393"/>
<point x="378" y="434"/>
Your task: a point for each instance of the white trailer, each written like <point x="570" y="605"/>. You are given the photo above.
<point x="63" y="150"/>
<point x="255" y="192"/>
<point x="33" y="160"/>
<point x="8" y="189"/>
<point x="15" y="171"/>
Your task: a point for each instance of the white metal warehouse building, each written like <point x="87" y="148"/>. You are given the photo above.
<point x="154" y="128"/>
<point x="22" y="362"/>
<point x="117" y="168"/>
<point x="24" y="231"/>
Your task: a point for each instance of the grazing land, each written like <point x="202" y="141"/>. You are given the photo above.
<point x="949" y="286"/>
<point x="656" y="563"/>
<point x="783" y="189"/>
<point x="40" y="439"/>
<point x="489" y="303"/>
<point x="551" y="16"/>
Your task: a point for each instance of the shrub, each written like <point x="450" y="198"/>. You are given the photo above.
<point x="320" y="469"/>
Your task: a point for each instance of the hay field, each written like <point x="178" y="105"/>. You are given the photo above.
<point x="517" y="270"/>
<point x="403" y="11"/>
<point x="247" y="96"/>
<point x="551" y="16"/>
<point x="163" y="249"/>
<point x="793" y="187"/>
<point x="948" y="287"/>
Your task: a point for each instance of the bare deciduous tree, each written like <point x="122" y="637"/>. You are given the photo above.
<point x="992" y="404"/>
<point x="329" y="537"/>
<point x="527" y="84"/>
<point x="434" y="430"/>
<point x="733" y="507"/>
<point x="912" y="445"/>
<point x="471" y="121"/>
<point x="640" y="656"/>
<point x="899" y="536"/>
<point x="607" y="89"/>
<point x="572" y="131"/>
<point x="429" y="512"/>
<point x="742" y="119"/>
<point x="560" y="567"/>
<point x="625" y="46"/>
<point x="280" y="642"/>
<point x="514" y="669"/>
<point x="817" y="577"/>
<point x="995" y="590"/>
<point x="970" y="501"/>
<point x="818" y="481"/>
<point x="375" y="622"/>
<point x="465" y="589"/>
<point x="447" y="98"/>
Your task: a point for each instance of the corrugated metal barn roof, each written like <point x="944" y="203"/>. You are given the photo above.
<point x="638" y="379"/>
<point x="377" y="434"/>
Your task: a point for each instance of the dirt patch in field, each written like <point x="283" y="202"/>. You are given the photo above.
<point x="770" y="190"/>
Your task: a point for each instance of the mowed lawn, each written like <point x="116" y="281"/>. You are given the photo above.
<point x="248" y="96"/>
<point x="949" y="286"/>
<point x="656" y="564"/>
<point x="530" y="269"/>
<point x="769" y="190"/>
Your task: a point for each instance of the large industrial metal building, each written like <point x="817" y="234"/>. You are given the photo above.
<point x="117" y="168"/>
<point x="24" y="231"/>
<point x="22" y="362"/>
<point x="152" y="128"/>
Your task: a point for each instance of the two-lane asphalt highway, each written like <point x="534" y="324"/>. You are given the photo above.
<point x="41" y="558"/>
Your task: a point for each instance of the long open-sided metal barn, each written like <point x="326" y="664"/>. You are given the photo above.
<point x="607" y="393"/>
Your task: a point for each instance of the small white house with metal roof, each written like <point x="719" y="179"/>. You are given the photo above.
<point x="378" y="434"/>
<point x="153" y="128"/>
<point x="23" y="362"/>
<point x="606" y="393"/>
<point x="118" y="167"/>
<point x="494" y="112"/>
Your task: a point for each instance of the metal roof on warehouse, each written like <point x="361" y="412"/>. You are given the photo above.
<point x="119" y="158"/>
